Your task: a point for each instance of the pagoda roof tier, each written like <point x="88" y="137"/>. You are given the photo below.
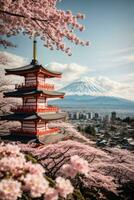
<point x="22" y="71"/>
<point x="30" y="92"/>
<point x="33" y="116"/>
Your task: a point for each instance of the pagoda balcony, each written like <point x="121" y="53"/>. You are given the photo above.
<point x="45" y="86"/>
<point x="47" y="109"/>
<point x="38" y="132"/>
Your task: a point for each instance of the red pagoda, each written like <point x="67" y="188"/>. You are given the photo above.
<point x="34" y="114"/>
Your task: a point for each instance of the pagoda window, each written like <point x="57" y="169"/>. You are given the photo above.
<point x="41" y="102"/>
<point x="30" y="79"/>
<point x="30" y="102"/>
<point x="41" y="79"/>
<point x="41" y="126"/>
<point x="28" y="126"/>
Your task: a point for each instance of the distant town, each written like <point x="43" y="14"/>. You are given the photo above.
<point x="106" y="130"/>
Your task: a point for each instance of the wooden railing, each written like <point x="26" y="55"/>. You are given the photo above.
<point x="34" y="109"/>
<point x="49" y="131"/>
<point x="45" y="86"/>
<point x="38" y="132"/>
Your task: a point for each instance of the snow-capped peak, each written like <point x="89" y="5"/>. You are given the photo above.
<point x="86" y="86"/>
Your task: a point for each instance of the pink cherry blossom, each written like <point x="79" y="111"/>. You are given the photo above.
<point x="71" y="131"/>
<point x="12" y="164"/>
<point x="42" y="18"/>
<point x="64" y="186"/>
<point x="68" y="170"/>
<point x="79" y="164"/>
<point x="9" y="150"/>
<point x="34" y="168"/>
<point x="29" y="177"/>
<point x="51" y="194"/>
<point x="10" y="189"/>
<point x="35" y="184"/>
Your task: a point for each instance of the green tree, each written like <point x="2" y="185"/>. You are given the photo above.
<point x="90" y="130"/>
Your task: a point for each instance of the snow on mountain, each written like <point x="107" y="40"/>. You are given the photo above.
<point x="87" y="86"/>
<point x="93" y="93"/>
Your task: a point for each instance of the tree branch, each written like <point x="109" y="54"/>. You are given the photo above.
<point x="22" y="16"/>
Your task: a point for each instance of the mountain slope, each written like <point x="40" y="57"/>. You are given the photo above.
<point x="94" y="102"/>
<point x="88" y="93"/>
<point x="86" y="86"/>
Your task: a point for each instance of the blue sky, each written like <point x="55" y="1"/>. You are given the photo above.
<point x="109" y="28"/>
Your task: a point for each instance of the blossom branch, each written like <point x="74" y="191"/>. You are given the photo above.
<point x="22" y="16"/>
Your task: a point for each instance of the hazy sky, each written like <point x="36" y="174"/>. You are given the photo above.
<point x="110" y="29"/>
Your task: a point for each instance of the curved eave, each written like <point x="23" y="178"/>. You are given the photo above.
<point x="22" y="71"/>
<point x="49" y="73"/>
<point x="23" y="93"/>
<point x="33" y="116"/>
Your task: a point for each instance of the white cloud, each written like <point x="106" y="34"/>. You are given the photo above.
<point x="121" y="51"/>
<point x="116" y="88"/>
<point x="127" y="78"/>
<point x="130" y="58"/>
<point x="118" y="57"/>
<point x="108" y="83"/>
<point x="11" y="60"/>
<point x="70" y="72"/>
<point x="118" y="61"/>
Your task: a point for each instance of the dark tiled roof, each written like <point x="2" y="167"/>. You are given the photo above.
<point x="33" y="116"/>
<point x="20" y="69"/>
<point x="31" y="67"/>
<point x="20" y="93"/>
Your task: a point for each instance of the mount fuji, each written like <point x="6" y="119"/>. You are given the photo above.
<point x="87" y="86"/>
<point x="90" y="93"/>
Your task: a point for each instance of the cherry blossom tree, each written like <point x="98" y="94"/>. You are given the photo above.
<point x="110" y="175"/>
<point x="97" y="174"/>
<point x="42" y="18"/>
<point x="21" y="178"/>
<point x="6" y="85"/>
<point x="5" y="105"/>
<point x="71" y="132"/>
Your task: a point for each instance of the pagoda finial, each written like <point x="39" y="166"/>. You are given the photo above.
<point x="34" y="48"/>
<point x="34" y="61"/>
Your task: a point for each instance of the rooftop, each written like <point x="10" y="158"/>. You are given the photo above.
<point x="29" y="92"/>
<point x="33" y="67"/>
<point x="33" y="116"/>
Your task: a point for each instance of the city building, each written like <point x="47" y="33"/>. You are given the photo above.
<point x="113" y="116"/>
<point x="96" y="115"/>
<point x="77" y="115"/>
<point x="106" y="119"/>
<point x="90" y="115"/>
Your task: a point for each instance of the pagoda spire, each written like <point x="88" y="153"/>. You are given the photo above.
<point x="34" y="60"/>
<point x="34" y="48"/>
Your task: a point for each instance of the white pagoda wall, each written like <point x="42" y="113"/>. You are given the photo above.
<point x="42" y="126"/>
<point x="30" y="101"/>
<point x="28" y="126"/>
<point x="41" y="102"/>
<point x="41" y="79"/>
<point x="30" y="79"/>
<point x="31" y="126"/>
